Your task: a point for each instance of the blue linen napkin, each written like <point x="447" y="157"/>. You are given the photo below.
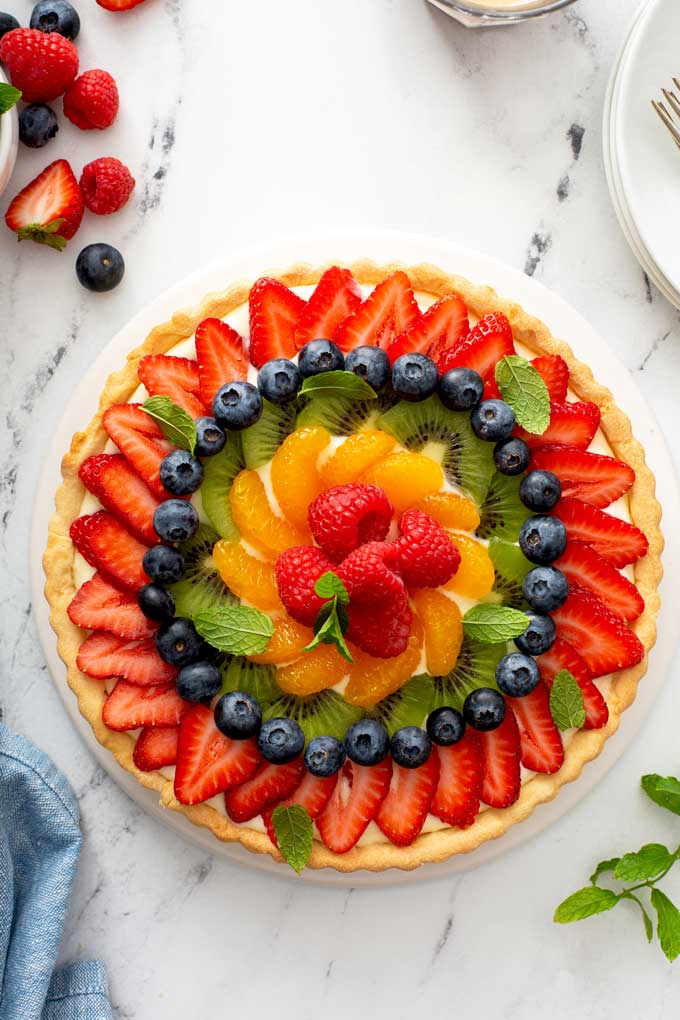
<point x="40" y="843"/>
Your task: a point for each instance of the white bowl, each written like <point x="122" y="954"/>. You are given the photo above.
<point x="9" y="141"/>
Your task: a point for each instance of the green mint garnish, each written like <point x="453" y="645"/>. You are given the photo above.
<point x="177" y="426"/>
<point x="9" y="97"/>
<point x="668" y="924"/>
<point x="332" y="620"/>
<point x="523" y="388"/>
<point x="566" y="701"/>
<point x="294" y="834"/>
<point x="664" y="791"/>
<point x="493" y="624"/>
<point x="239" y="630"/>
<point x="328" y="585"/>
<point x="585" y="903"/>
<point x="338" y="384"/>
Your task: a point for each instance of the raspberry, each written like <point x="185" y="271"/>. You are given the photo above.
<point x="106" y="185"/>
<point x="382" y="632"/>
<point x="369" y="580"/>
<point x="424" y="555"/>
<point x="41" y="64"/>
<point x="297" y="570"/>
<point x="92" y="101"/>
<point x="346" y="516"/>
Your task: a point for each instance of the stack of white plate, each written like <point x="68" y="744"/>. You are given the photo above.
<point x="642" y="162"/>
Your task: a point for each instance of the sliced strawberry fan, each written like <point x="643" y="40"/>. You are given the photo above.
<point x="169" y="376"/>
<point x="103" y="655"/>
<point x="220" y="356"/>
<point x="571" y="424"/>
<point x="591" y="477"/>
<point x="440" y="327"/>
<point x="140" y="441"/>
<point x="603" y="640"/>
<point x="99" y="605"/>
<point x="389" y="309"/>
<point x="111" y="549"/>
<point x="119" y="489"/>
<point x="269" y="785"/>
<point x="130" y="706"/>
<point x="483" y="347"/>
<point x="274" y="313"/>
<point x="618" y="541"/>
<point x="336" y="296"/>
<point x="209" y="763"/>
<point x="583" y="565"/>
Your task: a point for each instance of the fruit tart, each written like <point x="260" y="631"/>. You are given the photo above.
<point x="363" y="550"/>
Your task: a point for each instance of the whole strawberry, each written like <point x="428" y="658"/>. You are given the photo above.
<point x="41" y="64"/>
<point x="49" y="209"/>
<point x="106" y="185"/>
<point x="92" y="101"/>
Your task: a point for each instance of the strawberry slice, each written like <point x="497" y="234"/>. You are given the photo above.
<point x="541" y="746"/>
<point x="585" y="567"/>
<point x="600" y="636"/>
<point x="440" y="327"/>
<point x="274" y="314"/>
<point x="120" y="489"/>
<point x="336" y="295"/>
<point x="208" y="762"/>
<point x="221" y="358"/>
<point x="403" y="812"/>
<point x="571" y="424"/>
<point x="389" y="310"/>
<point x="103" y="655"/>
<point x="156" y="747"/>
<point x="98" y="605"/>
<point x="501" y="755"/>
<point x="119" y="5"/>
<point x="130" y="706"/>
<point x="140" y="441"/>
<point x="484" y="346"/>
<point x="618" y="541"/>
<point x="313" y="793"/>
<point x="358" y="794"/>
<point x="269" y="785"/>
<point x="173" y="377"/>
<point x="109" y="548"/>
<point x="554" y="371"/>
<point x="591" y="477"/>
<point x="461" y="774"/>
<point x="49" y="209"/>
<point x="563" y="656"/>
<point x="491" y="390"/>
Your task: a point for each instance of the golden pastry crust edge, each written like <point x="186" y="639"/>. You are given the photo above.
<point x="491" y="823"/>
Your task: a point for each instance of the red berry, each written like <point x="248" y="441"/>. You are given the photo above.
<point x="440" y="327"/>
<point x="103" y="655"/>
<point x="461" y="774"/>
<point x="336" y="295"/>
<point x="571" y="424"/>
<point x="120" y="490"/>
<point x="41" y="64"/>
<point x="389" y="310"/>
<point x="346" y="516"/>
<point x="110" y="548"/>
<point x="616" y="540"/>
<point x="156" y="746"/>
<point x="501" y="755"/>
<point x="356" y="799"/>
<point x="383" y="632"/>
<point x="554" y="371"/>
<point x="369" y="579"/>
<point x="402" y="814"/>
<point x="208" y="762"/>
<point x="98" y="605"/>
<point x="130" y="706"/>
<point x="592" y="477"/>
<point x="425" y="556"/>
<point x="599" y="635"/>
<point x="92" y="101"/>
<point x="49" y="209"/>
<point x="484" y="346"/>
<point x="140" y="441"/>
<point x="220" y="356"/>
<point x="297" y="570"/>
<point x="541" y="748"/>
<point x="173" y="377"/>
<point x="119" y="5"/>
<point x="106" y="185"/>
<point x="274" y="313"/>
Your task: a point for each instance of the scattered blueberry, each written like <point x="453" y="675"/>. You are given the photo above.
<point x="175" y="520"/>
<point x="539" y="636"/>
<point x="517" y="675"/>
<point x="484" y="709"/>
<point x="56" y="16"/>
<point x="280" y="740"/>
<point x="156" y="602"/>
<point x="37" y="125"/>
<point x="7" y="24"/>
<point x="324" y="756"/>
<point x="100" y="267"/>
<point x="540" y="491"/>
<point x="199" y="681"/>
<point x="237" y="405"/>
<point x="492" y="420"/>
<point x="446" y="726"/>
<point x="181" y="473"/>
<point x="319" y="356"/>
<point x="369" y="363"/>
<point x="238" y="715"/>
<point x="279" y="381"/>
<point x="545" y="589"/>
<point x="410" y="747"/>
<point x="542" y="538"/>
<point x="461" y="389"/>
<point x="178" y="642"/>
<point x="366" y="742"/>
<point x="210" y="438"/>
<point x="414" y="377"/>
<point x="163" y="564"/>
<point x="511" y="456"/>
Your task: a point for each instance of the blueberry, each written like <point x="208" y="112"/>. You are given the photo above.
<point x="210" y="438"/>
<point x="539" y="636"/>
<point x="178" y="642"/>
<point x="324" y="756"/>
<point x="446" y="726"/>
<point x="56" y="16"/>
<point x="7" y="24"/>
<point x="461" y="389"/>
<point x="175" y="520"/>
<point x="238" y="715"/>
<point x="319" y="356"/>
<point x="511" y="456"/>
<point x="100" y="267"/>
<point x="163" y="564"/>
<point x="517" y="675"/>
<point x="410" y="747"/>
<point x="199" y="681"/>
<point x="156" y="602"/>
<point x="414" y="377"/>
<point x="180" y="473"/>
<point x="484" y="709"/>
<point x="366" y="742"/>
<point x="237" y="405"/>
<point x="279" y="381"/>
<point x="280" y="740"/>
<point x="545" y="589"/>
<point x="369" y="363"/>
<point x="37" y="125"/>
<point x="540" y="490"/>
<point x="492" y="420"/>
<point x="542" y="538"/>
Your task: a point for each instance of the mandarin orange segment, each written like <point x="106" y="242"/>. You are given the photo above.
<point x="406" y="478"/>
<point x="451" y="510"/>
<point x="294" y="474"/>
<point x="443" y="624"/>
<point x="255" y="519"/>
<point x="313" y="671"/>
<point x="475" y="575"/>
<point x="287" y="642"/>
<point x="355" y="455"/>
<point x="246" y="576"/>
<point x="371" y="680"/>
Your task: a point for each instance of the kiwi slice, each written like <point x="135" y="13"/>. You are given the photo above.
<point x="406" y="707"/>
<point x="201" y="587"/>
<point x="261" y="440"/>
<point x="467" y="462"/>
<point x="511" y="566"/>
<point x="502" y="512"/>
<point x="325" y="714"/>
<point x="476" y="667"/>
<point x="240" y="674"/>
<point x="342" y="416"/>
<point x="219" y="473"/>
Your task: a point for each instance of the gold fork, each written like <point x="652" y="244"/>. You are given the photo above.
<point x="666" y="117"/>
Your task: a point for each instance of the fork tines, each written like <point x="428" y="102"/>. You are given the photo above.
<point x="666" y="117"/>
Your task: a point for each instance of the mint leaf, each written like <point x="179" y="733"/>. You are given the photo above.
<point x="329" y="628"/>
<point x="668" y="924"/>
<point x="664" y="791"/>
<point x="328" y="585"/>
<point x="647" y="863"/>
<point x="177" y="426"/>
<point x="294" y="834"/>
<point x="646" y="919"/>
<point x="523" y="388"/>
<point x="492" y="624"/>
<point x="603" y="867"/>
<point x="240" y="630"/>
<point x="338" y="384"/>
<point x="585" y="903"/>
<point x="9" y="97"/>
<point x="566" y="701"/>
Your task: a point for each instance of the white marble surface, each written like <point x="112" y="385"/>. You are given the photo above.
<point x="266" y="119"/>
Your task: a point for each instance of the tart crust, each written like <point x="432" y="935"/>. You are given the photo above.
<point x="645" y="511"/>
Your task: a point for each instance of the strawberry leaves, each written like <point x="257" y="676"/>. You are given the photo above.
<point x="332" y="620"/>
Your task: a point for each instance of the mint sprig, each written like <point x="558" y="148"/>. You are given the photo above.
<point x="566" y="701"/>
<point x="239" y="630"/>
<point x="523" y="388"/>
<point x="294" y="834"/>
<point x="9" y="97"/>
<point x="175" y="423"/>
<point x="644" y="868"/>
<point x="493" y="624"/>
<point x="338" y="384"/>
<point x="332" y="620"/>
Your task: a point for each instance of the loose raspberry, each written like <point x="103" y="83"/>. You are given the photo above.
<point x="381" y="632"/>
<point x="369" y="579"/>
<point x="92" y="101"/>
<point x="41" y="64"/>
<point x="106" y="185"/>
<point x="424" y="555"/>
<point x="346" y="516"/>
<point x="297" y="570"/>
